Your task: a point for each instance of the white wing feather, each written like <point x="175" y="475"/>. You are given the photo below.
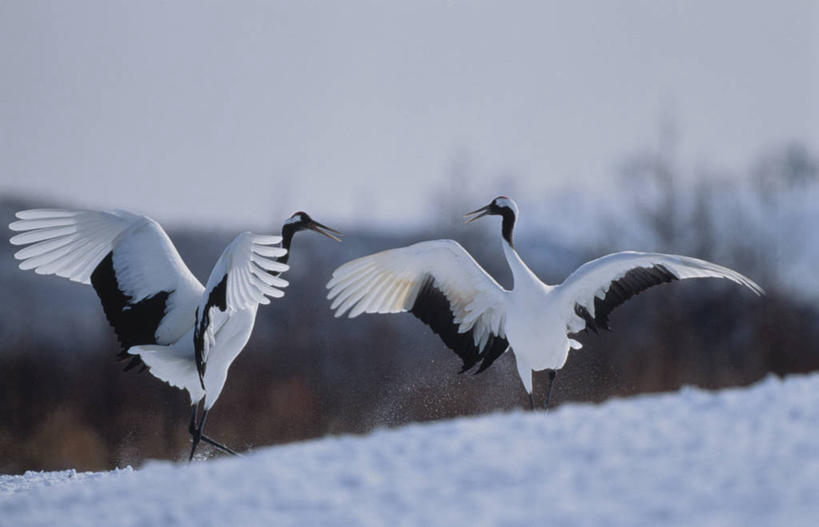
<point x="248" y="283"/>
<point x="72" y="243"/>
<point x="68" y="243"/>
<point x="389" y="282"/>
<point x="593" y="278"/>
<point x="246" y="262"/>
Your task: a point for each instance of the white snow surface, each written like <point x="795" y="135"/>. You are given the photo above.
<point x="734" y="457"/>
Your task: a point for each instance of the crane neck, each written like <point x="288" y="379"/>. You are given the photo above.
<point x="508" y="226"/>
<point x="288" y="231"/>
<point x="521" y="274"/>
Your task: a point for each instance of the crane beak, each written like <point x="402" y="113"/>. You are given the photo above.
<point x="325" y="230"/>
<point x="475" y="214"/>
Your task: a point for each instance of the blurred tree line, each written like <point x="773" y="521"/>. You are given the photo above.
<point x="65" y="403"/>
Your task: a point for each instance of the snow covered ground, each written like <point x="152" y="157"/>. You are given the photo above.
<point x="734" y="457"/>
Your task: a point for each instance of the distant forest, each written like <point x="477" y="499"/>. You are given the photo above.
<point x="65" y="403"/>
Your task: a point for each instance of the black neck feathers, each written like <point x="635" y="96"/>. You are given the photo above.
<point x="288" y="231"/>
<point x="508" y="225"/>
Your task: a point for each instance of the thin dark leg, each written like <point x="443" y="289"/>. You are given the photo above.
<point x="197" y="435"/>
<point x="192" y="426"/>
<point x="219" y="445"/>
<point x="552" y="374"/>
<point x="531" y="403"/>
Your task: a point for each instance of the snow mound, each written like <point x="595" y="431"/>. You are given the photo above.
<point x="735" y="457"/>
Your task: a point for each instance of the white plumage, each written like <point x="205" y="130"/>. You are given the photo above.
<point x="390" y="281"/>
<point x="440" y="283"/>
<point x="72" y="244"/>
<point x="150" y="296"/>
<point x="592" y="279"/>
<point x="244" y="265"/>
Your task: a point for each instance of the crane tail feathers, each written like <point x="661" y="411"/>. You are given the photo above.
<point x="171" y="366"/>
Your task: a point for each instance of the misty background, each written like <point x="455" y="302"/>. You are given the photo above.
<point x="680" y="127"/>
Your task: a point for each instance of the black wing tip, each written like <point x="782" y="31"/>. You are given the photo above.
<point x="483" y="367"/>
<point x="632" y="283"/>
<point x="433" y="309"/>
<point x="216" y="298"/>
<point x="496" y="347"/>
<point x="135" y="323"/>
<point x="582" y="312"/>
<point x="133" y="363"/>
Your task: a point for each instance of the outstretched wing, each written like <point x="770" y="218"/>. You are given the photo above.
<point x="438" y="282"/>
<point x="597" y="287"/>
<point x="147" y="292"/>
<point x="245" y="275"/>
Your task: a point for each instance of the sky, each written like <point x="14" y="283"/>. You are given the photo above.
<point x="239" y="113"/>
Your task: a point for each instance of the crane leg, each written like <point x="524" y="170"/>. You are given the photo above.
<point x="192" y="425"/>
<point x="197" y="435"/>
<point x="552" y="374"/>
<point x="196" y="432"/>
<point x="220" y="446"/>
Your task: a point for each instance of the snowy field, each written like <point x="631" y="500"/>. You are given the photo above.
<point x="734" y="457"/>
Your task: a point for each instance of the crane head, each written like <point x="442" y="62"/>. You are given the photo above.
<point x="500" y="206"/>
<point x="300" y="221"/>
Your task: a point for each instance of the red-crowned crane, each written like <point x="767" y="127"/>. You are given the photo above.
<point x="441" y="284"/>
<point x="186" y="334"/>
